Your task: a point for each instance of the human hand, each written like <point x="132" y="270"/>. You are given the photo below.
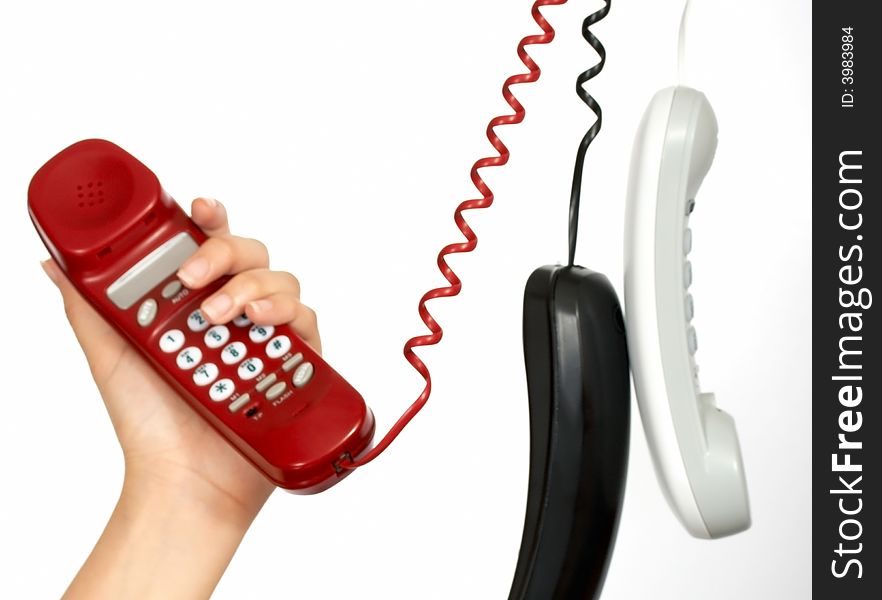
<point x="171" y="453"/>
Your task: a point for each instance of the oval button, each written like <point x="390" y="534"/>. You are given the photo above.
<point x="302" y="375"/>
<point x="171" y="289"/>
<point x="250" y="368"/>
<point x="147" y="312"/>
<point x="188" y="358"/>
<point x="171" y="341"/>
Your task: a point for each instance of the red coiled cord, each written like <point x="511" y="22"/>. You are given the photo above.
<point x="472" y="240"/>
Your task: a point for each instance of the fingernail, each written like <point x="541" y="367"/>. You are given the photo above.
<point x="50" y="270"/>
<point x="211" y="202"/>
<point x="259" y="306"/>
<point x="193" y="270"/>
<point x="218" y="306"/>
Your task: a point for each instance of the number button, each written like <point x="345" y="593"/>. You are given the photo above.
<point x="261" y="333"/>
<point x="217" y="336"/>
<point x="278" y="346"/>
<point x="233" y="353"/>
<point x="197" y="322"/>
<point x="205" y="374"/>
<point x="241" y="321"/>
<point x="251" y="368"/>
<point x="222" y="390"/>
<point x="171" y="341"/>
<point x="188" y="358"/>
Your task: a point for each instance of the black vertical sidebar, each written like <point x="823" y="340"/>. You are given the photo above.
<point x="846" y="302"/>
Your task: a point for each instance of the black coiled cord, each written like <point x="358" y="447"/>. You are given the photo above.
<point x="576" y="193"/>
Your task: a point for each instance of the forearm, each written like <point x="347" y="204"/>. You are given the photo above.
<point x="162" y="541"/>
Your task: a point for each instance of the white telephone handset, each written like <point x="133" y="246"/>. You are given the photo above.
<point x="694" y="445"/>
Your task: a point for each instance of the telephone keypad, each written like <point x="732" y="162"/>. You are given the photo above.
<point x="188" y="358"/>
<point x="233" y="353"/>
<point x="171" y="341"/>
<point x="217" y="336"/>
<point x="221" y="359"/>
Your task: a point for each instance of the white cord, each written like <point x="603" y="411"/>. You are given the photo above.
<point x="681" y="46"/>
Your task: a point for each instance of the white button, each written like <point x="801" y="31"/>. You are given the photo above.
<point x="147" y="312"/>
<point x="188" y="358"/>
<point x="196" y="322"/>
<point x="241" y="321"/>
<point x="171" y="341"/>
<point x="251" y="368"/>
<point x="302" y="375"/>
<point x="171" y="289"/>
<point x="292" y="362"/>
<point x="261" y="333"/>
<point x="692" y="340"/>
<point x="233" y="353"/>
<point x="205" y="374"/>
<point x="687" y="241"/>
<point x="265" y="382"/>
<point x="690" y="307"/>
<point x="687" y="274"/>
<point x="239" y="402"/>
<point x="278" y="346"/>
<point x="217" y="336"/>
<point x="222" y="390"/>
<point x="276" y="391"/>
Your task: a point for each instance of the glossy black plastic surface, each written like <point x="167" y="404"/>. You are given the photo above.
<point x="579" y="391"/>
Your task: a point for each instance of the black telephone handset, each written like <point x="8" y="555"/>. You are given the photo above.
<point x="577" y="378"/>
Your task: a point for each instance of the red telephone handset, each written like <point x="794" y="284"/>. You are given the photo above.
<point x="120" y="239"/>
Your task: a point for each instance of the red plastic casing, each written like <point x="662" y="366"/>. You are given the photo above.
<point x="100" y="211"/>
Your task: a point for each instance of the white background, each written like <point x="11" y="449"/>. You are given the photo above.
<point x="341" y="134"/>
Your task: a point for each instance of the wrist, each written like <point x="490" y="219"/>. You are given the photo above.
<point x="168" y="524"/>
<point x="180" y="490"/>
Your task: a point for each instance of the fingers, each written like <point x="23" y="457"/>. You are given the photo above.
<point x="285" y="308"/>
<point x="98" y="339"/>
<point x="266" y="297"/>
<point x="211" y="216"/>
<point x="230" y="300"/>
<point x="222" y="255"/>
